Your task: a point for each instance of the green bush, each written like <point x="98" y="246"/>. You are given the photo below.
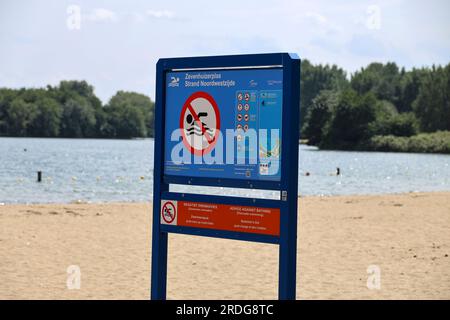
<point x="437" y="142"/>
<point x="401" y="125"/>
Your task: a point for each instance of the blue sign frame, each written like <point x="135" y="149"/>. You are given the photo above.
<point x="288" y="184"/>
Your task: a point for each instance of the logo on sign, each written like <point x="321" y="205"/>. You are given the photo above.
<point x="253" y="83"/>
<point x="200" y="123"/>
<point x="169" y="212"/>
<point x="174" y="82"/>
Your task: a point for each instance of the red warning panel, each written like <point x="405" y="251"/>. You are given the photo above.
<point x="221" y="217"/>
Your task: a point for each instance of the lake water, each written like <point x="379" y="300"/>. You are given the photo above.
<point x="121" y="170"/>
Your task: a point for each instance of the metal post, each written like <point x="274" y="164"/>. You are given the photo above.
<point x="287" y="255"/>
<point x="159" y="239"/>
<point x="288" y="210"/>
<point x="159" y="261"/>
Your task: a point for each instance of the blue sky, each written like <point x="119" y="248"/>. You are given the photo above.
<point x="118" y="43"/>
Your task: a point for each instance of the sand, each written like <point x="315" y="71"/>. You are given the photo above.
<point x="407" y="236"/>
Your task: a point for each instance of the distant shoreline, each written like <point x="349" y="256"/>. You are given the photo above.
<point x="83" y="138"/>
<point x="383" y="147"/>
<point x="429" y="143"/>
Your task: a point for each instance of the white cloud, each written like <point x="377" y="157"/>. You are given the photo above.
<point x="102" y="15"/>
<point x="160" y="14"/>
<point x="318" y="18"/>
<point x="106" y="15"/>
<point x="137" y="17"/>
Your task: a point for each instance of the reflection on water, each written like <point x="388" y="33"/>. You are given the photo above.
<point x="121" y="170"/>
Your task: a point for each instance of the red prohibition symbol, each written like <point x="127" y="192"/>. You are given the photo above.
<point x="200" y="123"/>
<point x="169" y="212"/>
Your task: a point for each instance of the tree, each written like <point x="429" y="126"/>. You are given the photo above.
<point x="78" y="119"/>
<point x="6" y="97"/>
<point x="20" y="114"/>
<point x="432" y="106"/>
<point x="349" y="123"/>
<point x="74" y="88"/>
<point x="314" y="79"/>
<point x="130" y="114"/>
<point x="80" y="103"/>
<point x="382" y="80"/>
<point x="318" y="116"/>
<point x="410" y="84"/>
<point x="72" y="110"/>
<point x="48" y="120"/>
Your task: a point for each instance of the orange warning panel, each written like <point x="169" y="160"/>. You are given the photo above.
<point x="222" y="217"/>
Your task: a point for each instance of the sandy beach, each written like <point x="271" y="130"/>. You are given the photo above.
<point x="407" y="236"/>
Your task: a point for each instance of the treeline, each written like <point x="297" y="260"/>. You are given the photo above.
<point x="380" y="107"/>
<point x="72" y="110"/>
